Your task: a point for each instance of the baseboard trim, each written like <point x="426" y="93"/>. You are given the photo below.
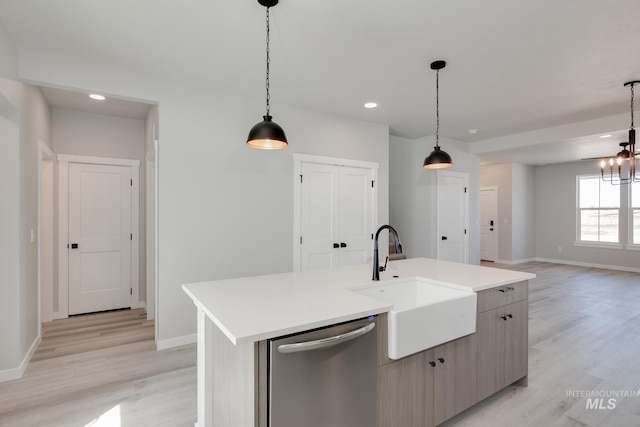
<point x="589" y="264"/>
<point x="17" y="373"/>
<point x="176" y="342"/>
<point x="514" y="262"/>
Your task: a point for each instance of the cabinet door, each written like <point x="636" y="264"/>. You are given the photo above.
<point x="455" y="377"/>
<point x="516" y="341"/>
<point x="490" y="335"/>
<point x="403" y="394"/>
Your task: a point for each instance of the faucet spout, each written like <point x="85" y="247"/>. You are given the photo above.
<point x="376" y="261"/>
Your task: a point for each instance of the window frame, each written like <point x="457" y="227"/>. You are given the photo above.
<point x="619" y="209"/>
<point x="631" y="245"/>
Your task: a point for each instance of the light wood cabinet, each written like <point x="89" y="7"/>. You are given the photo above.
<point x="429" y="387"/>
<point x="502" y="335"/>
<point x="405" y="390"/>
<point x="455" y="377"/>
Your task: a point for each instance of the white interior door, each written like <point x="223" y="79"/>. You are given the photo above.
<point x="453" y="216"/>
<point x="99" y="237"/>
<point x="319" y="216"/>
<point x="355" y="215"/>
<point x="335" y="207"/>
<point x="488" y="223"/>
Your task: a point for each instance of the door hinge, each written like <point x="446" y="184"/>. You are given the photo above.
<point x="300" y="179"/>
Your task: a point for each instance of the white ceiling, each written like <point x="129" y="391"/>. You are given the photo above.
<point x="513" y="66"/>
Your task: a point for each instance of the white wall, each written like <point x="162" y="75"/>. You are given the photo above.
<point x="24" y="120"/>
<point x="523" y="212"/>
<point x="89" y="134"/>
<point x="225" y="210"/>
<point x="499" y="175"/>
<point x="9" y="235"/>
<point x="556" y="219"/>
<point x="8" y="55"/>
<point x="516" y="209"/>
<point x="412" y="195"/>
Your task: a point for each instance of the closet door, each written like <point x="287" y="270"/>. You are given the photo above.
<point x="319" y="216"/>
<point x="355" y="215"/>
<point x="336" y="215"/>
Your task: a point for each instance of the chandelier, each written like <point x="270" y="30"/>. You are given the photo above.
<point x="618" y="172"/>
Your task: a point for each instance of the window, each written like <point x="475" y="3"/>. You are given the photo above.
<point x="599" y="210"/>
<point x="634" y="203"/>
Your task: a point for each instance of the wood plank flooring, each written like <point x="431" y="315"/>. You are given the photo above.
<point x="584" y="337"/>
<point x="102" y="370"/>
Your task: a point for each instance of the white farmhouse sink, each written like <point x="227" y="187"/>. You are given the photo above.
<point x="424" y="314"/>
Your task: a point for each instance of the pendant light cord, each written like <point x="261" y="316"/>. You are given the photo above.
<point x="632" y="106"/>
<point x="268" y="61"/>
<point x="437" y="108"/>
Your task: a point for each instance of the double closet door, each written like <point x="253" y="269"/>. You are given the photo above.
<point x="337" y="205"/>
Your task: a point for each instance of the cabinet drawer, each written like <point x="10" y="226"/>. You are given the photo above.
<point x="502" y="295"/>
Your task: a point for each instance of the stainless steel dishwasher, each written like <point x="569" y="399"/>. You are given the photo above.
<point x="325" y="377"/>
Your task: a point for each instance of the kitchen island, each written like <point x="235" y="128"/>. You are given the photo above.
<point x="237" y="316"/>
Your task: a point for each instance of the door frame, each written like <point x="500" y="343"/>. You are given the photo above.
<point x="298" y="159"/>
<point x="46" y="244"/>
<point x="152" y="232"/>
<point x="467" y="177"/>
<point x="496" y="227"/>
<point x="63" y="226"/>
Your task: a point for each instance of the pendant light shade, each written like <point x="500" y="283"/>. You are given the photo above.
<point x="267" y="134"/>
<point x="437" y="159"/>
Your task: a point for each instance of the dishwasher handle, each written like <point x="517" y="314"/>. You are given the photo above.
<point x="326" y="342"/>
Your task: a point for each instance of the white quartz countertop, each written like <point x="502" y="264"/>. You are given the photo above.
<point x="251" y="309"/>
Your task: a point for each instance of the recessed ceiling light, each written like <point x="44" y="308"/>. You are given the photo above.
<point x="370" y="105"/>
<point x="97" y="97"/>
<point x="472" y="131"/>
<point x="606" y="136"/>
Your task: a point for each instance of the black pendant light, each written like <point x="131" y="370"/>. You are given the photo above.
<point x="624" y="155"/>
<point x="437" y="159"/>
<point x="267" y="134"/>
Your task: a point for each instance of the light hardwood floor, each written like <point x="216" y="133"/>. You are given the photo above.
<point x="584" y="336"/>
<point x="102" y="370"/>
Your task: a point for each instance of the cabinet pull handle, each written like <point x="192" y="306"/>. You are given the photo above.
<point x="441" y="359"/>
<point x="343" y="245"/>
<point x="432" y="363"/>
<point x="501" y="290"/>
<point x="510" y="316"/>
<point x="503" y="317"/>
<point x="510" y="288"/>
<point x="335" y="245"/>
